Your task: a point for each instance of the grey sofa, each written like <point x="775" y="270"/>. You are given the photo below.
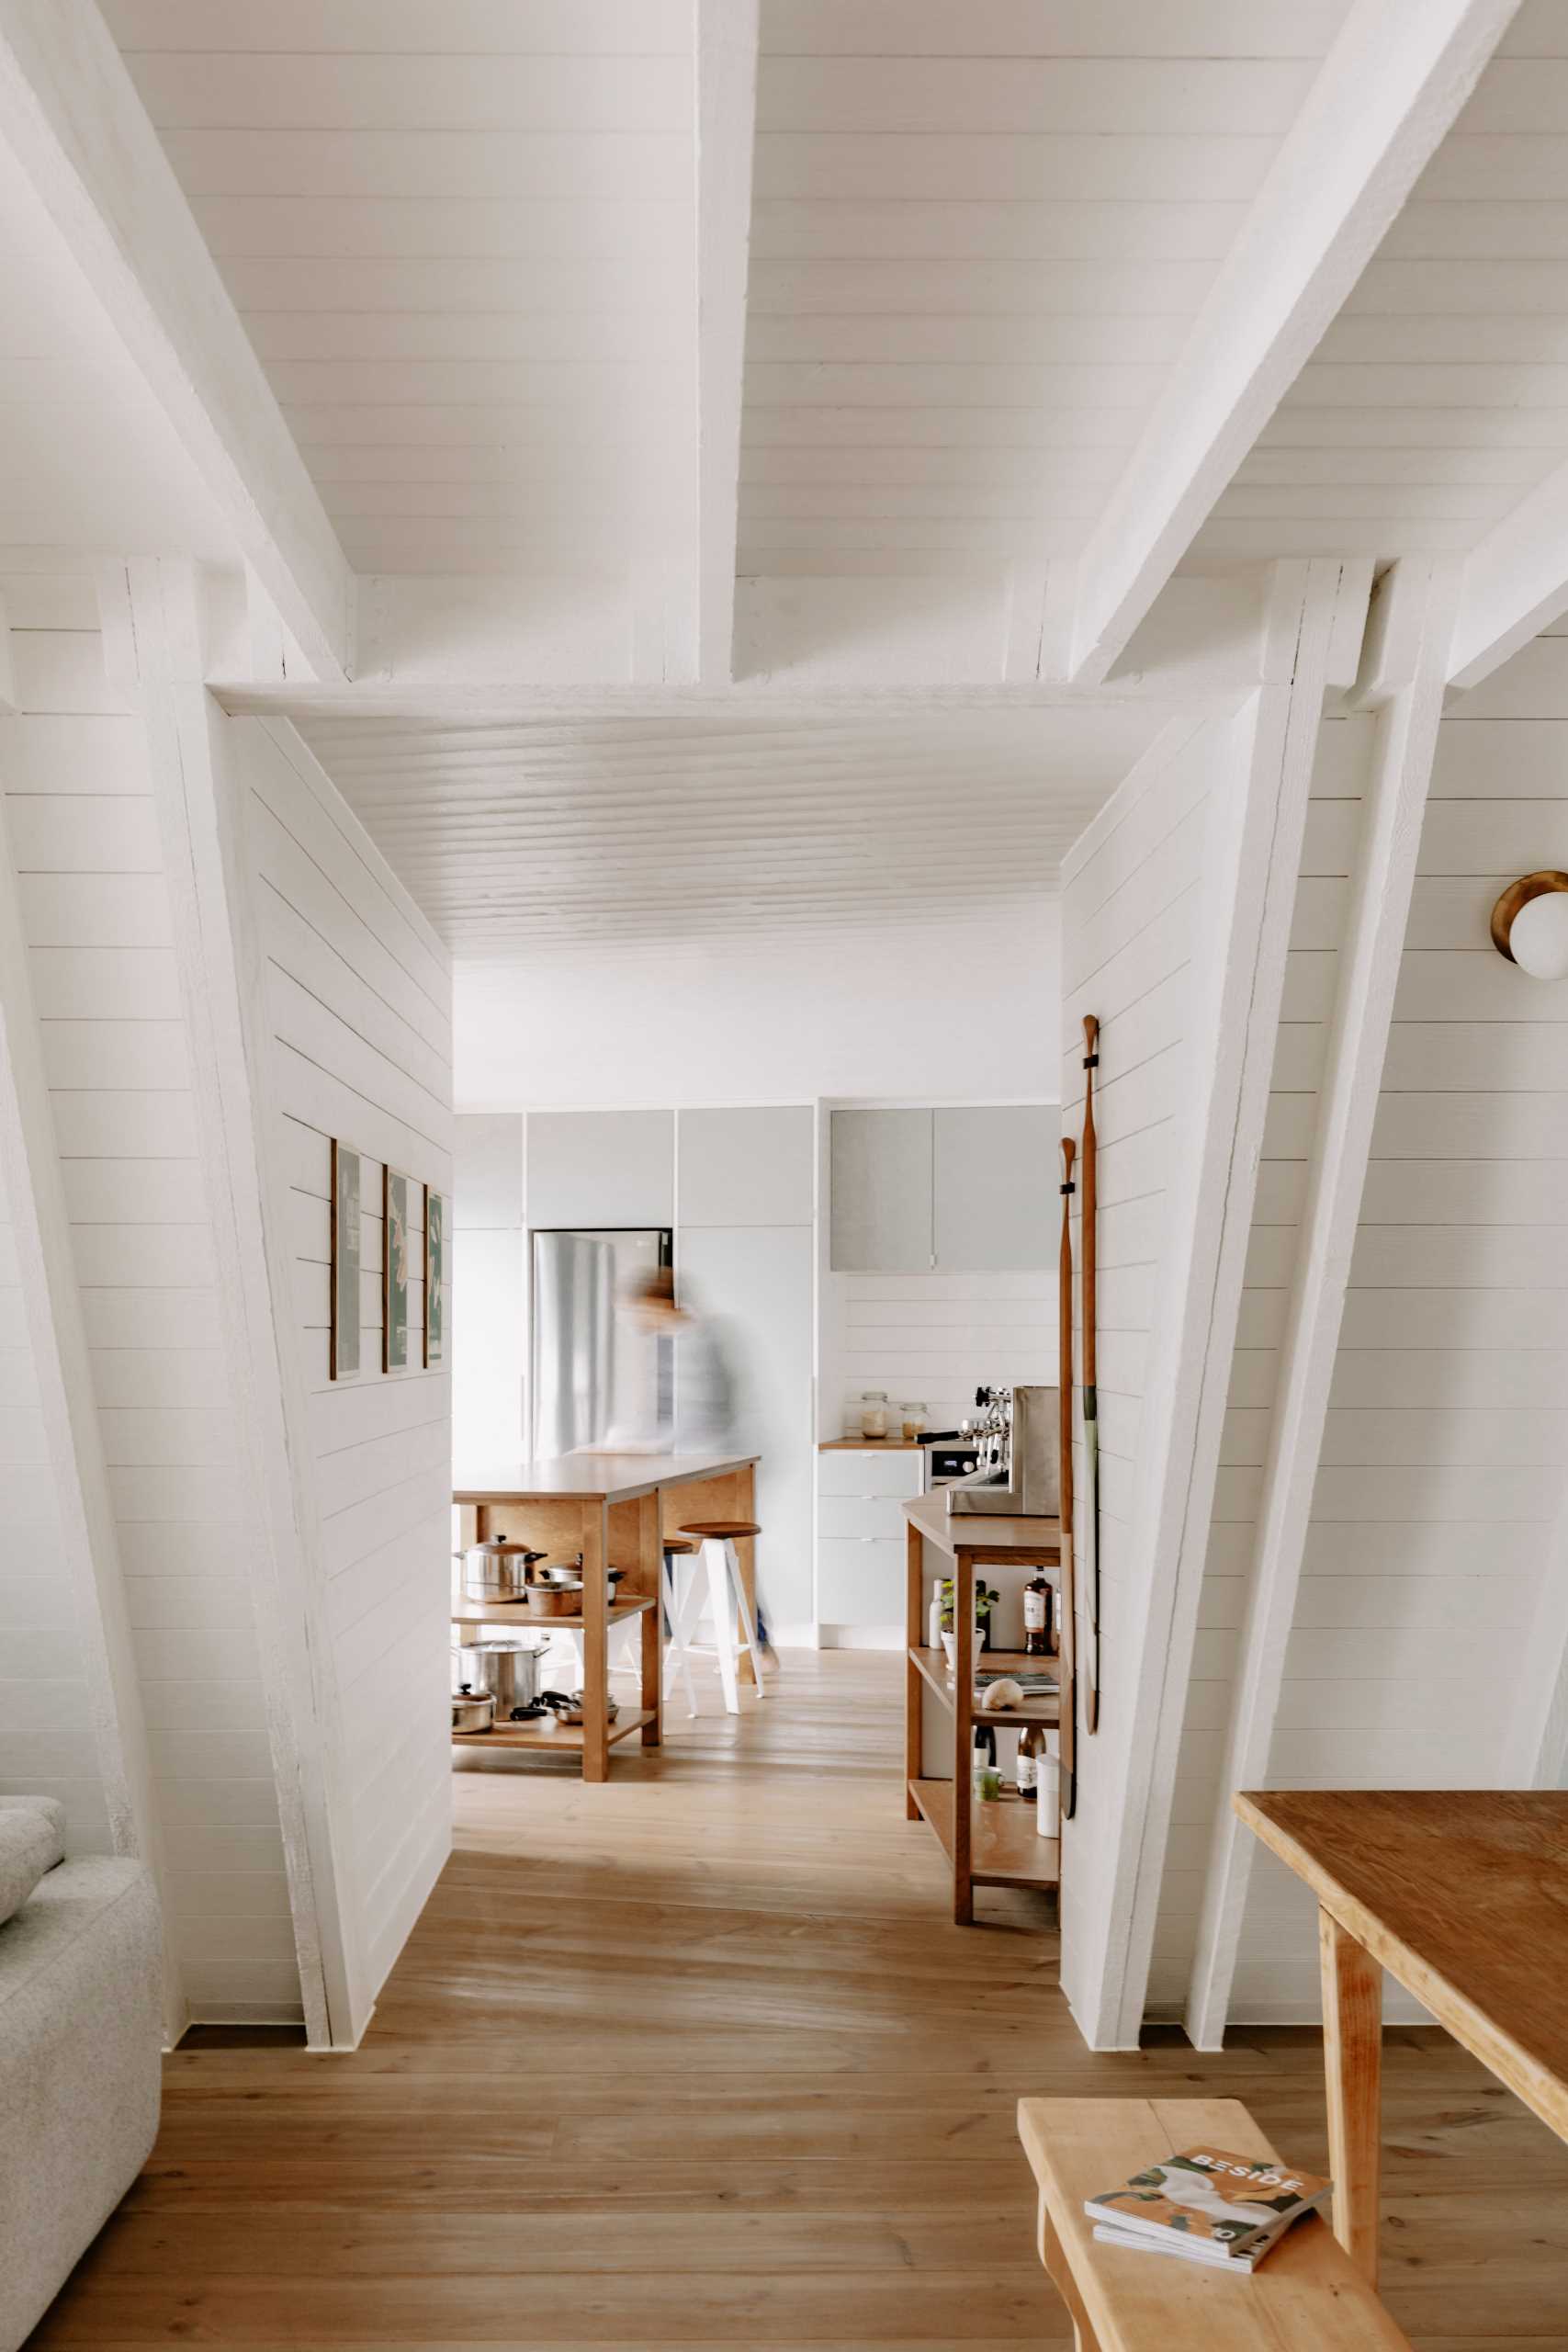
<point x="81" y="2034"/>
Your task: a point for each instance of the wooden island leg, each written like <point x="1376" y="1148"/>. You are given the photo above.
<point x="746" y="1550"/>
<point x="963" y="1738"/>
<point x="650" y="1576"/>
<point x="1352" y="2053"/>
<point x="595" y="1643"/>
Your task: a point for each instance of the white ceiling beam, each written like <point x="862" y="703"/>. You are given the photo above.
<point x="1515" y="581"/>
<point x="1369" y="965"/>
<point x="727" y="40"/>
<point x="1388" y="91"/>
<point x="70" y="114"/>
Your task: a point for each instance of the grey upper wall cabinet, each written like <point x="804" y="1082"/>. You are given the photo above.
<point x="945" y="1192"/>
<point x="747" y="1167"/>
<point x="592" y="1167"/>
<point x="881" y="1175"/>
<point x="995" y="1179"/>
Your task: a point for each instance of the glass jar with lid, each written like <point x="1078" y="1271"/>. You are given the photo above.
<point x="912" y="1418"/>
<point x="874" y="1412"/>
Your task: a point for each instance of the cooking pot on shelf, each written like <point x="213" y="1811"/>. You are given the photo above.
<point x="556" y="1599"/>
<point x="507" y="1671"/>
<point x="472" y="1710"/>
<point x="497" y="1570"/>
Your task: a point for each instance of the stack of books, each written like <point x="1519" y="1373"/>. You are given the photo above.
<point x="1206" y="2205"/>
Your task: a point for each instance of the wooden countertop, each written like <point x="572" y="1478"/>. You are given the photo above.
<point x="1457" y="1893"/>
<point x="590" y="1478"/>
<point x="992" y="1539"/>
<point x="872" y="1444"/>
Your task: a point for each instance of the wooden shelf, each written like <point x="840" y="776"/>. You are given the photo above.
<point x="1005" y="1849"/>
<point x="1039" y="1709"/>
<point x="547" y="1735"/>
<point x="516" y="1613"/>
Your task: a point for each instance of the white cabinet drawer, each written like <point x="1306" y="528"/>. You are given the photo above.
<point x="860" y="1584"/>
<point x="854" y="1473"/>
<point x="859" y="1515"/>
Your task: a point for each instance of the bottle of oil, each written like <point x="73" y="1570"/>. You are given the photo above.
<point x="1037" y="1617"/>
<point x="1030" y="1747"/>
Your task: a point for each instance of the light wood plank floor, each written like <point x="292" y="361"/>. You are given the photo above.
<point x="695" y="2059"/>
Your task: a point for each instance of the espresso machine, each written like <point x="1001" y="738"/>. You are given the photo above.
<point x="1017" y="1474"/>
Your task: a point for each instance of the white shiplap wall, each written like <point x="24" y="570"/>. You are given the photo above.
<point x="933" y="1338"/>
<point x="1132" y="911"/>
<point x="48" y="1744"/>
<point x="358" y="1018"/>
<point x="1417" y="1659"/>
<point x="1429" y="1630"/>
<point x="489" y="1289"/>
<point x="1316" y="933"/>
<point x="85" y="842"/>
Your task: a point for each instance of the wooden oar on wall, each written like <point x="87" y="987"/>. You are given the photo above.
<point x="1090" y="1550"/>
<point x="1067" y="1627"/>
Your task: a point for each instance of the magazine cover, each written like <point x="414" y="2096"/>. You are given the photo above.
<point x="1235" y="2203"/>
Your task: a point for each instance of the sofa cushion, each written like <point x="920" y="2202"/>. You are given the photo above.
<point x="32" y="1839"/>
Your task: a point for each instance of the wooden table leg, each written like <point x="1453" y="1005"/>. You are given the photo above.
<point x="746" y="1508"/>
<point x="1352" y="2053"/>
<point x="595" y="1643"/>
<point x="914" y="1684"/>
<point x="650" y="1568"/>
<point x="1059" y="2271"/>
<point x="963" y="1739"/>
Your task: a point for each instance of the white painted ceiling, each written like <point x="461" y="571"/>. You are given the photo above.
<point x="513" y="838"/>
<point x="978" y="237"/>
<point x="1440" y="393"/>
<point x="462" y="236"/>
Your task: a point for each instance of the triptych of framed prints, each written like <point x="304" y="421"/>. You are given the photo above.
<point x="410" y="1252"/>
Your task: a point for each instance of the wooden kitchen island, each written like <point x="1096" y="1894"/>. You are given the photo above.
<point x="615" y="1509"/>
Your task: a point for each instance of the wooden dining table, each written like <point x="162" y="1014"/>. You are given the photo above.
<point x="1461" y="1895"/>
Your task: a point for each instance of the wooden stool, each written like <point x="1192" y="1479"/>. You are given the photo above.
<point x="1306" y="2296"/>
<point x="727" y="1599"/>
<point x="677" y="1656"/>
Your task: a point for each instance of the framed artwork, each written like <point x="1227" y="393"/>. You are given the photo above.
<point x="343" y="1346"/>
<point x="395" y="1271"/>
<point x="435" y="1277"/>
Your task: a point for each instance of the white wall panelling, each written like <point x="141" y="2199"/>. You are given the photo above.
<point x="355" y="1013"/>
<point x="103" y="970"/>
<point x="1176" y="905"/>
<point x="1438" y="1500"/>
<point x="71" y="1720"/>
<point x="1377" y="844"/>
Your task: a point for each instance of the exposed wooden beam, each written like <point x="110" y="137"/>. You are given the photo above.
<point x="726" y="37"/>
<point x="1515" y="581"/>
<point x="71" y="116"/>
<point x="1389" y="89"/>
<point x="1367" y="972"/>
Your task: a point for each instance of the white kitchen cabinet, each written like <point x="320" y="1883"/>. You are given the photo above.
<point x="861" y="1585"/>
<point x="995" y="1179"/>
<point x="755" y="1283"/>
<point x="747" y="1167"/>
<point x="861" y="1545"/>
<point x="601" y="1167"/>
<point x="881" y="1176"/>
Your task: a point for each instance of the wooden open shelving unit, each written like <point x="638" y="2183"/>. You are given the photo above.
<point x="988" y="1842"/>
<point x="1005" y="1847"/>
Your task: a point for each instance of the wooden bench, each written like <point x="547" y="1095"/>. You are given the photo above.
<point x="1307" y="2296"/>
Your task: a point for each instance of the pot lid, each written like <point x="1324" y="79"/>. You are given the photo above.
<point x="507" y="1649"/>
<point x="502" y="1543"/>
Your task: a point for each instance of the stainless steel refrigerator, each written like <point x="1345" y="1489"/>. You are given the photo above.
<point x="593" y="1373"/>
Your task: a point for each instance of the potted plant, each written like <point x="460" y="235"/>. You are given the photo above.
<point x="985" y="1600"/>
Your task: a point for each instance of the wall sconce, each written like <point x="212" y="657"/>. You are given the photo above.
<point x="1530" y="925"/>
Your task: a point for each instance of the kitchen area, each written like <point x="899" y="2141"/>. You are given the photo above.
<point x="877" y="1279"/>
